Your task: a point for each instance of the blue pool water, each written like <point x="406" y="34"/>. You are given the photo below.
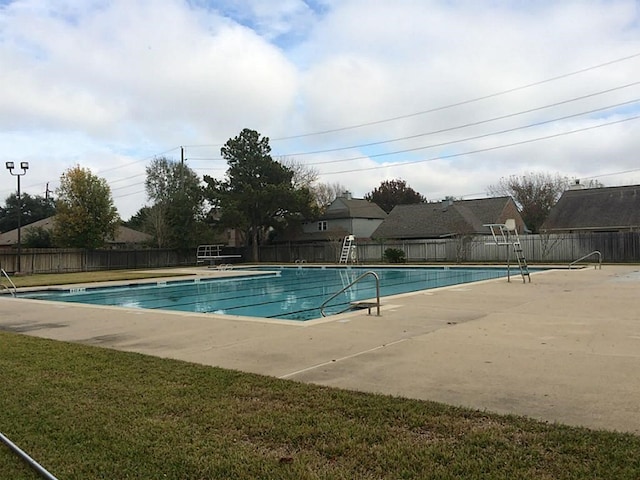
<point x="293" y="293"/>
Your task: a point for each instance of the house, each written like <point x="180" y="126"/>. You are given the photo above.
<point x="344" y="216"/>
<point x="125" y="237"/>
<point x="448" y="218"/>
<point x="608" y="209"/>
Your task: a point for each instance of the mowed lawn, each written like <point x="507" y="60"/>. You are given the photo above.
<point x="85" y="412"/>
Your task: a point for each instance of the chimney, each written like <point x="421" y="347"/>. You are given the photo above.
<point x="576" y="185"/>
<point x="446" y="203"/>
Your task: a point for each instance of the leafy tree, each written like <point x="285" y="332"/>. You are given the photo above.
<point x="86" y="216"/>
<point x="38" y="237"/>
<point x="394" y="192"/>
<point x="151" y="220"/>
<point x="139" y="220"/>
<point x="535" y="194"/>
<point x="258" y="195"/>
<point x="176" y="213"/>
<point x="34" y="208"/>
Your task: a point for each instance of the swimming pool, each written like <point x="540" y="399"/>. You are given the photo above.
<point x="291" y="293"/>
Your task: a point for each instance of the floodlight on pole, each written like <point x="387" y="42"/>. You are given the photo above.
<point x="11" y="167"/>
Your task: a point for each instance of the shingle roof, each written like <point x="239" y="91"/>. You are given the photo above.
<point x="124" y="235"/>
<point x="353" y="208"/>
<point x="432" y="220"/>
<point x="609" y="208"/>
<point x="320" y="236"/>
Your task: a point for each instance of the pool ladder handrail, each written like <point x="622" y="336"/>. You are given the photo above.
<point x="41" y="471"/>
<point x="595" y="252"/>
<point x="15" y="289"/>
<point x="365" y="274"/>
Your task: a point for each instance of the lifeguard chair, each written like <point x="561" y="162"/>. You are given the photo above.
<point x="507" y="234"/>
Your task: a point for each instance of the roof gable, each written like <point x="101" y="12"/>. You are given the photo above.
<point x="353" y="208"/>
<point x="608" y="208"/>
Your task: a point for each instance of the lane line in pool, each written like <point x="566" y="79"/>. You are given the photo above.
<point x="353" y="355"/>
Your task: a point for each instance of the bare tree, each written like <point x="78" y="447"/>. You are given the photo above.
<point x="304" y="176"/>
<point x="535" y="194"/>
<point x="325" y="193"/>
<point x="594" y="184"/>
<point x="157" y="225"/>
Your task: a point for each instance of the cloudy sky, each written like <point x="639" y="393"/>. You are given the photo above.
<point x="449" y="95"/>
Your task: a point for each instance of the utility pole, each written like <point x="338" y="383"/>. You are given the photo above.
<point x="47" y="192"/>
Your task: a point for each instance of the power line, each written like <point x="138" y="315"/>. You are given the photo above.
<point x="482" y="150"/>
<point x="443" y="107"/>
<point x="421" y="113"/>
<point x="128" y="194"/>
<point x="611" y="174"/>
<point x="477" y="137"/>
<point x="466" y="125"/>
<point x="464" y="102"/>
<point x="443" y="130"/>
<point x="150" y="157"/>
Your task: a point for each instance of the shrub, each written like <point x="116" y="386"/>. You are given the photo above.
<point x="394" y="255"/>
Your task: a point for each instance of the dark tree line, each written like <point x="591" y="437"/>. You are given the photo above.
<point x="34" y="208"/>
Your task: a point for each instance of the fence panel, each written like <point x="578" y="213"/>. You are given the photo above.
<point x="45" y="260"/>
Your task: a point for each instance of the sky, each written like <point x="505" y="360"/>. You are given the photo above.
<point x="448" y="95"/>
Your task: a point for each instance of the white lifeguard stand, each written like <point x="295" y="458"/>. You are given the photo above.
<point x="507" y="234"/>
<point x="349" y="252"/>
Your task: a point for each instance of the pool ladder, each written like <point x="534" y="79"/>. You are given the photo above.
<point x="365" y="304"/>
<point x="13" y="292"/>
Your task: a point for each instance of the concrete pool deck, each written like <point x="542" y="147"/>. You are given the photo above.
<point x="564" y="348"/>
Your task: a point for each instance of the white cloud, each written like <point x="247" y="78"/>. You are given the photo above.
<point x="108" y="84"/>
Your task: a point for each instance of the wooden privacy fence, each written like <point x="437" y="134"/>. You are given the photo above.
<point x="556" y="248"/>
<point x="46" y="260"/>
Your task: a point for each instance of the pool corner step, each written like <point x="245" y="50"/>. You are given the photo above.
<point x="361" y="305"/>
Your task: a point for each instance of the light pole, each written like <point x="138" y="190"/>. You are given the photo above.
<point x="24" y="166"/>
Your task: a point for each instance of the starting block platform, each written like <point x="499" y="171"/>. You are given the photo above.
<point x="212" y="254"/>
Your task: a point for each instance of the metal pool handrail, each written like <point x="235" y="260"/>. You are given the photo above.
<point x="595" y="252"/>
<point x="370" y="272"/>
<point x="24" y="456"/>
<point x="12" y="284"/>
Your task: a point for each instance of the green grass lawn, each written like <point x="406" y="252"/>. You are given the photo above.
<point x="91" y="413"/>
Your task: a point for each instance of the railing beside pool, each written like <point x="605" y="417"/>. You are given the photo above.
<point x="358" y="304"/>
<point x="594" y="253"/>
<point x="12" y="284"/>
